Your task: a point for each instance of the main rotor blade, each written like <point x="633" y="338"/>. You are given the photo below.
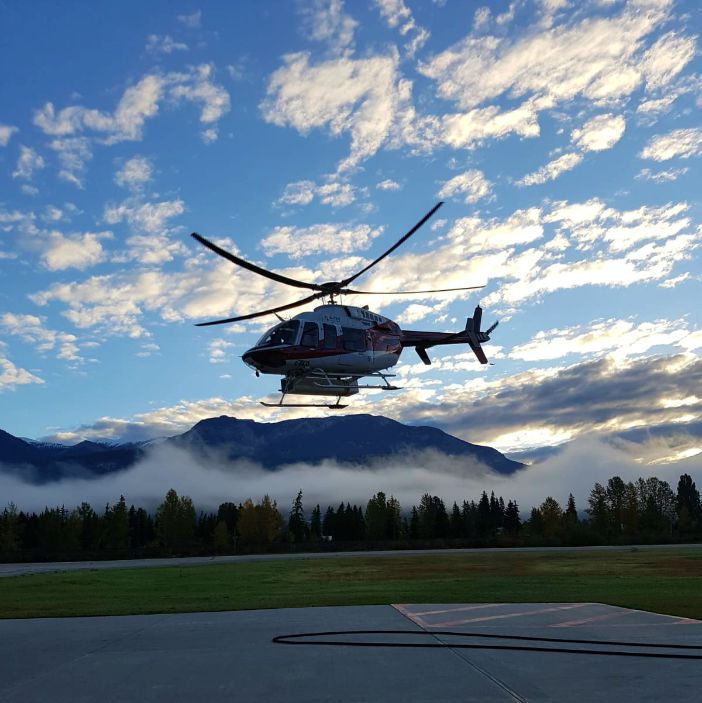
<point x="252" y="267"/>
<point x="289" y="306"/>
<point x="407" y="292"/>
<point x="402" y="239"/>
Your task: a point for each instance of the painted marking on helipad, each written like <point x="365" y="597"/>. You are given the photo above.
<point x="460" y="608"/>
<point x="505" y="616"/>
<point x="594" y="618"/>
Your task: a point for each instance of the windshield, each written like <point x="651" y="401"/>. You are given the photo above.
<point x="284" y="333"/>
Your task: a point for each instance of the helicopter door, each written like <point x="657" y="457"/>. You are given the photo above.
<point x="310" y="335"/>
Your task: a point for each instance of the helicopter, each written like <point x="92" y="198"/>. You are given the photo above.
<point x="332" y="349"/>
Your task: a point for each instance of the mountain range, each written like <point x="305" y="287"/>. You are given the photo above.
<point x="350" y="439"/>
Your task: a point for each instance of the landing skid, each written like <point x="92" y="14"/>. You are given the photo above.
<point x="281" y="404"/>
<point x="325" y="384"/>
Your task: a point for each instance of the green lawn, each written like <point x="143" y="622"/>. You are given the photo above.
<point x="665" y="582"/>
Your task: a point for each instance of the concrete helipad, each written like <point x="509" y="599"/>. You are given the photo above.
<point x="231" y="656"/>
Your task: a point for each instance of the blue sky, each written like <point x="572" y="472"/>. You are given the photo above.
<point x="565" y="138"/>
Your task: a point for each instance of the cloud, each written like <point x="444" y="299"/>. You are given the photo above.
<point x="661" y="176"/>
<point x="209" y="481"/>
<point x="334" y="193"/>
<point x="618" y="338"/>
<point x="326" y="21"/>
<point x="163" y="44"/>
<point x="147" y="217"/>
<point x="299" y="242"/>
<point x="11" y="376"/>
<point x="73" y="153"/>
<point x="388" y="184"/>
<point x="192" y="21"/>
<point x="28" y="162"/>
<point x="472" y="184"/>
<point x="78" y="251"/>
<point x="397" y="15"/>
<point x="30" y="329"/>
<point x="217" y="351"/>
<point x="138" y="103"/>
<point x="355" y="96"/>
<point x="599" y="133"/>
<point x="682" y="143"/>
<point x="597" y="58"/>
<point x="6" y="132"/>
<point x="135" y="172"/>
<point x="666" y="58"/>
<point x="551" y="170"/>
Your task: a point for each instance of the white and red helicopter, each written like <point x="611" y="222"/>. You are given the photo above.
<point x="327" y="352"/>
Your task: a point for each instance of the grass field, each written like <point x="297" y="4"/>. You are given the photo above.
<point x="666" y="582"/>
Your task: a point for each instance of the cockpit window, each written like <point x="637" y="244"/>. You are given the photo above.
<point x="310" y="335"/>
<point x="284" y="333"/>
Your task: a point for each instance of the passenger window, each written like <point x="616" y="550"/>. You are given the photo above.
<point x="329" y="337"/>
<point x="310" y="335"/>
<point x="354" y="339"/>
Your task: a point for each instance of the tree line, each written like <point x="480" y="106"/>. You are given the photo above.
<point x="647" y="510"/>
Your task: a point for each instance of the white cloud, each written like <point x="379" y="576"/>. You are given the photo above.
<point x="327" y="22"/>
<point x="551" y="170"/>
<point x="28" y="162"/>
<point x="599" y="133"/>
<point x="666" y="58"/>
<point x="474" y="235"/>
<point x="596" y="58"/>
<point x="30" y="328"/>
<point x="192" y="21"/>
<point x="682" y="143"/>
<point x="398" y="15"/>
<point x="334" y="193"/>
<point x="618" y="338"/>
<point x="6" y="132"/>
<point x="135" y="172"/>
<point x="661" y="176"/>
<point x="11" y="376"/>
<point x="388" y="184"/>
<point x="359" y="97"/>
<point x="73" y="153"/>
<point x="472" y="184"/>
<point x="137" y="104"/>
<point x="78" y="251"/>
<point x="147" y="217"/>
<point x="163" y="44"/>
<point x="298" y="242"/>
<point x="298" y="193"/>
<point x="217" y="350"/>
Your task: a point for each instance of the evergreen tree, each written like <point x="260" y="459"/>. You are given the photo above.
<point x="455" y="522"/>
<point x="297" y="525"/>
<point x="616" y="490"/>
<point x="229" y="514"/>
<point x="175" y="521"/>
<point x="483" y="523"/>
<point x="512" y="522"/>
<point x="598" y="510"/>
<point x="688" y="508"/>
<point x="393" y="529"/>
<point x="328" y="524"/>
<point x="551" y="519"/>
<point x="221" y="538"/>
<point x="116" y="526"/>
<point x="10" y="544"/>
<point x="316" y="523"/>
<point x="570" y="516"/>
<point x="377" y="517"/>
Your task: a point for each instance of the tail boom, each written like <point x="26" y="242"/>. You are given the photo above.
<point x="471" y="335"/>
